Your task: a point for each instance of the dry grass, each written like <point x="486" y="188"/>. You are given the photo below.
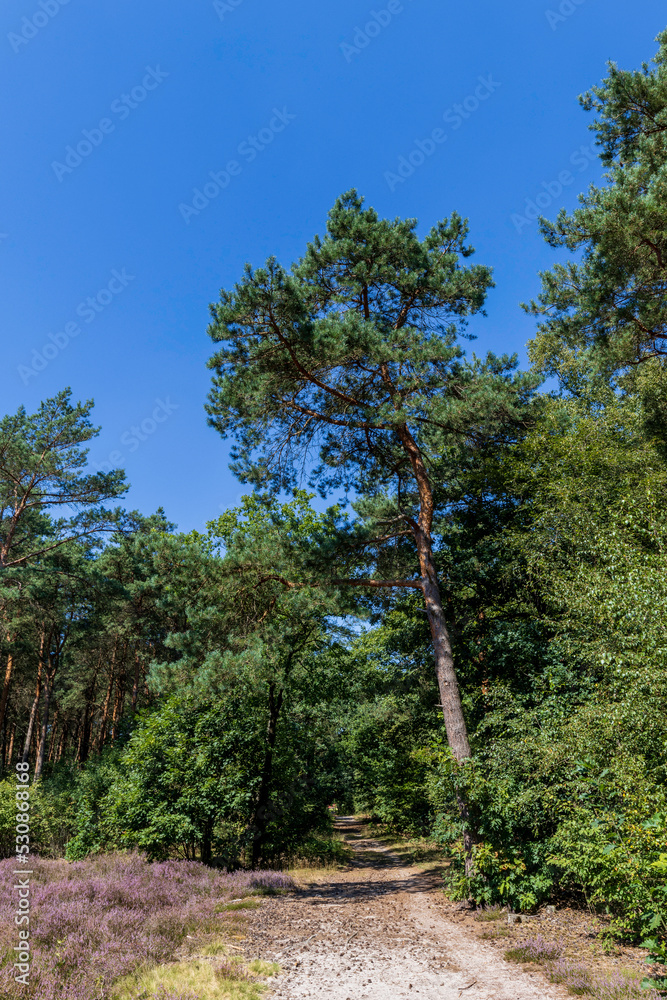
<point x="490" y="913"/>
<point x="199" y="978"/>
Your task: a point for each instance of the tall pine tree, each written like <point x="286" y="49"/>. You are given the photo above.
<point x="352" y="357"/>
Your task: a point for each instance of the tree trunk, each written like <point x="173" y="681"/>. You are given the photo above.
<point x="207" y="843"/>
<point x="450" y="697"/>
<point x="135" y="686"/>
<point x="105" y="712"/>
<point x="11" y="744"/>
<point x="5" y="689"/>
<point x="84" y="742"/>
<point x="63" y="740"/>
<point x="35" y="704"/>
<point x="54" y="730"/>
<point x="83" y="747"/>
<point x="119" y="702"/>
<point x="39" y="765"/>
<point x="261" y="817"/>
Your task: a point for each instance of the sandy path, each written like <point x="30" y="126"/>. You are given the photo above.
<point x="377" y="931"/>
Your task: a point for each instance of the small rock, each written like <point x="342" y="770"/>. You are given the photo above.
<point x="513" y="918"/>
<point x="550" y="909"/>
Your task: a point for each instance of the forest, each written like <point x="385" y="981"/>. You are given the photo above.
<point x="442" y="602"/>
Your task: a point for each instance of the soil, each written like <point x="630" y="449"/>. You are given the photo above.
<point x="382" y="929"/>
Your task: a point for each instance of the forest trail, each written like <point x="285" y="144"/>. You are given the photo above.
<point x="378" y="931"/>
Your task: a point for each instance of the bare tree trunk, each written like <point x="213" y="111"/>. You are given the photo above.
<point x="5" y="688"/>
<point x="61" y="745"/>
<point x="101" y="736"/>
<point x="35" y="704"/>
<point x="11" y="744"/>
<point x="84" y="742"/>
<point x="135" y="686"/>
<point x="54" y="730"/>
<point x="50" y="684"/>
<point x="261" y="817"/>
<point x="120" y="698"/>
<point x="39" y="764"/>
<point x="83" y="747"/>
<point x="450" y="696"/>
<point x="107" y="701"/>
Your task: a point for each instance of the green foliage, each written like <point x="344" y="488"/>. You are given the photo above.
<point x="388" y="781"/>
<point x="321" y="851"/>
<point x="52" y="816"/>
<point x="42" y="465"/>
<point x="609" y="309"/>
<point x="568" y="808"/>
<point x="185" y="784"/>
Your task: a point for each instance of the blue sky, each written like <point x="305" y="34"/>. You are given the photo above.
<point x="115" y="114"/>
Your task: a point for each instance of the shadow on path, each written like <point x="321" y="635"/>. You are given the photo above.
<point x="378" y="864"/>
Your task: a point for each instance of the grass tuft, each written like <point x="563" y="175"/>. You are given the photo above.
<point x="242" y="904"/>
<point x="490" y="913"/>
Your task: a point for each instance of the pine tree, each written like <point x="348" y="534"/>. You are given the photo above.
<point x="611" y="308"/>
<point x="352" y="355"/>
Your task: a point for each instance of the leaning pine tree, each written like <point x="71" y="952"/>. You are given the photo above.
<point x="352" y="356"/>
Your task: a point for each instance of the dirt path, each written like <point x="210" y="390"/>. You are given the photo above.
<point x="378" y="931"/>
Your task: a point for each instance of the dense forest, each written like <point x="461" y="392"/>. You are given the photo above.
<point x="468" y="643"/>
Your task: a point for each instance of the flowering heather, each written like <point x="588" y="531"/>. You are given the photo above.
<point x="270" y="881"/>
<point x="95" y="921"/>
<point x="618" y="987"/>
<point x="580" y="981"/>
<point x="534" y="950"/>
<point x="576" y="977"/>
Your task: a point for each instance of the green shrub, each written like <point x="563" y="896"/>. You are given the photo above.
<point x="52" y="816"/>
<point x="575" y="807"/>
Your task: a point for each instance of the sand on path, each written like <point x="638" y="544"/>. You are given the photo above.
<point x="378" y="931"/>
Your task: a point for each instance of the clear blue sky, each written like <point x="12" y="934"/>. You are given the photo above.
<point x="170" y="93"/>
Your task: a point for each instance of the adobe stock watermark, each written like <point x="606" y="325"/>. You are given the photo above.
<point x="222" y="7"/>
<point x="550" y="190"/>
<point x="249" y="150"/>
<point x="454" y="116"/>
<point x="123" y="107"/>
<point x="88" y="310"/>
<point x="565" y="10"/>
<point x="137" y="434"/>
<point x="378" y="21"/>
<point x="22" y="885"/>
<point x="31" y="26"/>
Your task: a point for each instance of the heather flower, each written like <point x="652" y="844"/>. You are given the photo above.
<point x="576" y="977"/>
<point x="619" y="987"/>
<point x="534" y="950"/>
<point x="96" y="921"/>
<point x="580" y="981"/>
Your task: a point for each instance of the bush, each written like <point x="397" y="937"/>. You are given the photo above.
<point x="575" y="807"/>
<point x="52" y="816"/>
